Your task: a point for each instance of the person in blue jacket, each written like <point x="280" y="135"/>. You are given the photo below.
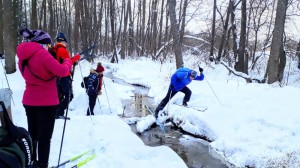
<point x="179" y="81"/>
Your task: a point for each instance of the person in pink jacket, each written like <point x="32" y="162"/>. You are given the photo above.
<point x="40" y="99"/>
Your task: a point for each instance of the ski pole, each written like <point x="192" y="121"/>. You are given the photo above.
<point x="63" y="133"/>
<point x="169" y="100"/>
<point x="84" y="161"/>
<point x="213" y="91"/>
<point x="2" y="57"/>
<point x="106" y="96"/>
<point x="75" y="158"/>
<point x="99" y="103"/>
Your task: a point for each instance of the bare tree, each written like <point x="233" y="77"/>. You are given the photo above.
<point x="51" y="29"/>
<point x="1" y="28"/>
<point x="242" y="62"/>
<point x="175" y="33"/>
<point x="276" y="61"/>
<point x="212" y="41"/>
<point x="113" y="35"/>
<point x="298" y="54"/>
<point x="33" y="19"/>
<point x="76" y="25"/>
<point x="225" y="29"/>
<point x="10" y="35"/>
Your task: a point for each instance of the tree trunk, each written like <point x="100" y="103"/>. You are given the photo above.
<point x="275" y="62"/>
<point x="51" y="21"/>
<point x="213" y="29"/>
<point x="175" y="33"/>
<point x="1" y="28"/>
<point x="241" y="64"/>
<point x="183" y="21"/>
<point x="76" y="25"/>
<point x="298" y="54"/>
<point x="234" y="31"/>
<point x="225" y="28"/>
<point x="10" y="36"/>
<point x="34" y="20"/>
<point x="124" y="41"/>
<point x="113" y="35"/>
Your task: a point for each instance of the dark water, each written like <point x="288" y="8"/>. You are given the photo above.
<point x="194" y="152"/>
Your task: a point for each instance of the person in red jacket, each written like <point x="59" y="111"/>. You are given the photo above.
<point x="64" y="84"/>
<point x="100" y="69"/>
<point x="40" y="99"/>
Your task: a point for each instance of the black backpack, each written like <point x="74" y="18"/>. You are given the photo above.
<point x="53" y="51"/>
<point x="92" y="84"/>
<point x="15" y="144"/>
<point x="84" y="83"/>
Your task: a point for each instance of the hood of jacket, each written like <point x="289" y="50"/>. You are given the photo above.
<point x="28" y="49"/>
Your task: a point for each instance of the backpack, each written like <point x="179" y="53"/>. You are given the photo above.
<point x="15" y="144"/>
<point x="84" y="83"/>
<point x="92" y="85"/>
<point x="53" y="51"/>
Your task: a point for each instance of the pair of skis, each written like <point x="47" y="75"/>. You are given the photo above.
<point x="91" y="156"/>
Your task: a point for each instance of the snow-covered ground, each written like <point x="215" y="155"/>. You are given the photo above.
<point x="249" y="124"/>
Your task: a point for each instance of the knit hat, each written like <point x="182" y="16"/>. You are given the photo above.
<point x="193" y="74"/>
<point x="38" y="36"/>
<point x="61" y="37"/>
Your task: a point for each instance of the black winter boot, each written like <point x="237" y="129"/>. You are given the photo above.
<point x="184" y="104"/>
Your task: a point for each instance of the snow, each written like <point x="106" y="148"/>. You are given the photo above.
<point x="249" y="124"/>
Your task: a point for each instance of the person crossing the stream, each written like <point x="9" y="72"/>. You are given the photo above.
<point x="179" y="81"/>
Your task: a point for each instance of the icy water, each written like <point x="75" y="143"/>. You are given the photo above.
<point x="195" y="152"/>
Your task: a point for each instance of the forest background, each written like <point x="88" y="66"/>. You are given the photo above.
<point x="257" y="40"/>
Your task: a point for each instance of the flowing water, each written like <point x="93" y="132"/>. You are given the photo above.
<point x="195" y="152"/>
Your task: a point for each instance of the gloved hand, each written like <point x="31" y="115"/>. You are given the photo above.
<point x="200" y="69"/>
<point x="100" y="93"/>
<point x="75" y="58"/>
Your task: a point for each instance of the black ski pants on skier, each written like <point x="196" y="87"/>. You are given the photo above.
<point x="92" y="103"/>
<point x="65" y="94"/>
<point x="41" y="121"/>
<point x="187" y="95"/>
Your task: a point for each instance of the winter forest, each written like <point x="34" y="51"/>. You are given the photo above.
<point x="250" y="49"/>
<point x="247" y="37"/>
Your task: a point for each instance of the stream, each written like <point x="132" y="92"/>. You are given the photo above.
<point x="195" y="152"/>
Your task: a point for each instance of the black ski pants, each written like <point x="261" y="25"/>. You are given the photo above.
<point x="65" y="94"/>
<point x="92" y="103"/>
<point x="187" y="95"/>
<point x="41" y="121"/>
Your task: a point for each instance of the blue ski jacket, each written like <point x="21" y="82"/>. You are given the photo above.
<point x="181" y="78"/>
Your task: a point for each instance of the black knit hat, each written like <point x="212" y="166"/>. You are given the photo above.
<point x="61" y="37"/>
<point x="38" y="36"/>
<point x="193" y="73"/>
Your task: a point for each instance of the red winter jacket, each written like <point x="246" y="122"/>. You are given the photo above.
<point x="39" y="73"/>
<point x="62" y="53"/>
<point x="101" y="70"/>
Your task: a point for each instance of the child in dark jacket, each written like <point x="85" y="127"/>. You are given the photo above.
<point x="92" y="90"/>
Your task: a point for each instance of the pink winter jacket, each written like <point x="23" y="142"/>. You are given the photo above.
<point x="41" y="63"/>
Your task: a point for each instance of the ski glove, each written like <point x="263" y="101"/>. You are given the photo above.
<point x="201" y="70"/>
<point x="75" y="58"/>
